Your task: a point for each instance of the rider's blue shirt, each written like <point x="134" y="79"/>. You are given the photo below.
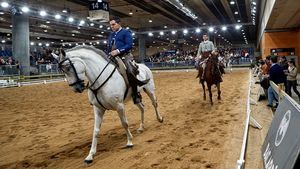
<point x="121" y="40"/>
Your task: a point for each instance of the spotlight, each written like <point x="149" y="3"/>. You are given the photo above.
<point x="25" y="9"/>
<point x="4" y="4"/>
<point x="237" y="27"/>
<point x="198" y="30"/>
<point x="185" y="31"/>
<point x="210" y="29"/>
<point x="57" y="16"/>
<point x="150" y="34"/>
<point x="224" y="28"/>
<point x="150" y="20"/>
<point x="43" y="13"/>
<point x="173" y="32"/>
<point x="161" y="33"/>
<point x="232" y="2"/>
<point x="71" y="19"/>
<point x="92" y="24"/>
<point x="81" y="22"/>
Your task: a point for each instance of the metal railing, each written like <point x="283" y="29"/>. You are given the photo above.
<point x="169" y="64"/>
<point x="9" y="70"/>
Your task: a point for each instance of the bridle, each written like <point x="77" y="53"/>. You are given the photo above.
<point x="79" y="81"/>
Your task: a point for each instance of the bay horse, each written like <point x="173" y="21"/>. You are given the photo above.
<point x="212" y="76"/>
<point x="107" y="87"/>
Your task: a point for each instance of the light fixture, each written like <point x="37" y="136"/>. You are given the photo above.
<point x="232" y="2"/>
<point x="150" y="20"/>
<point x="127" y="27"/>
<point x="105" y="42"/>
<point x="173" y="32"/>
<point x="1" y="13"/>
<point x="37" y="37"/>
<point x="73" y="34"/>
<point x="92" y="24"/>
<point x="185" y="31"/>
<point x="238" y="21"/>
<point x="150" y="34"/>
<point x="130" y="13"/>
<point x="31" y="43"/>
<point x="101" y="26"/>
<point x="47" y="21"/>
<point x="43" y="13"/>
<point x="198" y="30"/>
<point x="70" y="44"/>
<point x="40" y="44"/>
<point x="3" y="41"/>
<point x="47" y="44"/>
<point x="83" y="43"/>
<point x="25" y="9"/>
<point x="224" y="28"/>
<point x="237" y="27"/>
<point x="98" y="42"/>
<point x="161" y="33"/>
<point x="71" y="19"/>
<point x="210" y="29"/>
<point x="165" y="26"/>
<point x="108" y="28"/>
<point x="4" y="4"/>
<point x="254" y="3"/>
<point x="57" y="16"/>
<point x="133" y="34"/>
<point x="236" y="12"/>
<point x="81" y="22"/>
<point x="45" y="30"/>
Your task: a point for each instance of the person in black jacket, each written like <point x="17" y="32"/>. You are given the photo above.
<point x="276" y="74"/>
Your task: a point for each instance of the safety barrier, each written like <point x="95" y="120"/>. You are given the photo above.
<point x="241" y="160"/>
<point x="282" y="143"/>
<point x="9" y="70"/>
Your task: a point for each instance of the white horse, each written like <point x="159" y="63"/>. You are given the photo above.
<point x="107" y="87"/>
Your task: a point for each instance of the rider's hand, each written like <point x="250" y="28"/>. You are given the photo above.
<point x="114" y="52"/>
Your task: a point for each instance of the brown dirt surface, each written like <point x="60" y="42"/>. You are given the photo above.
<point x="50" y="126"/>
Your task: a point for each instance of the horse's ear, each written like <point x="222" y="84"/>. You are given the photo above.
<point x="62" y="54"/>
<point x="55" y="56"/>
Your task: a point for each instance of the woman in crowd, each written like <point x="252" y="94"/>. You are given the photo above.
<point x="292" y="78"/>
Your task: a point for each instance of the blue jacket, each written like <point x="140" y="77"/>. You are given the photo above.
<point x="122" y="40"/>
<point x="276" y="74"/>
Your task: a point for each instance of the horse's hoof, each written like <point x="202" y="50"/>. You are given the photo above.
<point x="129" y="146"/>
<point x="140" y="131"/>
<point x="161" y="120"/>
<point x="88" y="161"/>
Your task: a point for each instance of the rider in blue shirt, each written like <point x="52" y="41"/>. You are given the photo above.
<point x="120" y="44"/>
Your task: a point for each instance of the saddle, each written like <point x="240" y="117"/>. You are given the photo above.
<point x="121" y="67"/>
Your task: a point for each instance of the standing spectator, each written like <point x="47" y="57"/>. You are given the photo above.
<point x="276" y="75"/>
<point x="292" y="78"/>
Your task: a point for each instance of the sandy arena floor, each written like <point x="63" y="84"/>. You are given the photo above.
<point x="50" y="126"/>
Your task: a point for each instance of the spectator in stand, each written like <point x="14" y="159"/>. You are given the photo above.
<point x="276" y="75"/>
<point x="292" y="79"/>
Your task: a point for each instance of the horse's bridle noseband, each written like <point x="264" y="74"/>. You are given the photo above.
<point x="78" y="80"/>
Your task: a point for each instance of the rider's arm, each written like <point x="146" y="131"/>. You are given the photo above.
<point x="127" y="43"/>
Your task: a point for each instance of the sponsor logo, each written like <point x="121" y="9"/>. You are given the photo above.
<point x="282" y="129"/>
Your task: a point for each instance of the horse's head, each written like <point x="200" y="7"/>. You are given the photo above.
<point x="73" y="68"/>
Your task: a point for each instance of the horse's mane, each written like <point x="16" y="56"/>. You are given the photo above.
<point x="98" y="51"/>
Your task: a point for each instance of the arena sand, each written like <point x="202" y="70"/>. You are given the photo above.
<point x="50" y="126"/>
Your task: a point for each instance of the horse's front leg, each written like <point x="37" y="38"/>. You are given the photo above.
<point x="98" y="115"/>
<point x="210" y="94"/>
<point x="121" y="113"/>
<point x="203" y="87"/>
<point x="219" y="91"/>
